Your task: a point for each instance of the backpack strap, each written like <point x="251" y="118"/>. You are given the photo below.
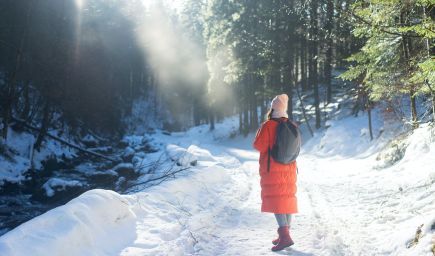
<point x="268" y="151"/>
<point x="278" y="120"/>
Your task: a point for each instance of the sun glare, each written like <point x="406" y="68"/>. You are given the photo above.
<point x="79" y="4"/>
<point x="176" y="4"/>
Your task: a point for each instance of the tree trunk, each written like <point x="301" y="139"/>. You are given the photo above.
<point x="369" y="112"/>
<point x="262" y="101"/>
<point x="245" y="117"/>
<point x="254" y="112"/>
<point x="26" y="109"/>
<point x="288" y="82"/>
<point x="196" y="111"/>
<point x="406" y="47"/>
<point x="329" y="42"/>
<point x="296" y="67"/>
<point x="304" y="83"/>
<point x="44" y="126"/>
<point x="313" y="59"/>
<point x="413" y="109"/>
<point x="432" y="94"/>
<point x="211" y="118"/>
<point x="240" y="120"/>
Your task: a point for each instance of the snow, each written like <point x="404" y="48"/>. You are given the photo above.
<point x="53" y="185"/>
<point x="91" y="224"/>
<point x="21" y="144"/>
<point x="129" y="152"/>
<point x="349" y="203"/>
<point x="13" y="167"/>
<point x="183" y="157"/>
<point x="89" y="139"/>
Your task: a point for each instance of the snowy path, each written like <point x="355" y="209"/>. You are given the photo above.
<point x="344" y="210"/>
<point x="347" y="207"/>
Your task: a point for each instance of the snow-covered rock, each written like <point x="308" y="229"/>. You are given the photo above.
<point x="54" y="185"/>
<point x="182" y="156"/>
<point x="89" y="141"/>
<point x="128" y="154"/>
<point x="126" y="170"/>
<point x="99" y="222"/>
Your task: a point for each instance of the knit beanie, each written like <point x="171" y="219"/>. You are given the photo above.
<point x="279" y="105"/>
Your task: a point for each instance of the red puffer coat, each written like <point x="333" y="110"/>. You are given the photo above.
<point x="278" y="186"/>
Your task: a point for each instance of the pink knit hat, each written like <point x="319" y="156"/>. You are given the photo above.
<point x="279" y="105"/>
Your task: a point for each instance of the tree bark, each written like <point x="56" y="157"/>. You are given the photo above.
<point x="211" y="118"/>
<point x="414" y="117"/>
<point x="369" y="112"/>
<point x="26" y="109"/>
<point x="432" y="94"/>
<point x="304" y="83"/>
<point x="245" y="116"/>
<point x="329" y="45"/>
<point x="406" y="47"/>
<point x="44" y="126"/>
<point x="240" y="120"/>
<point x="254" y="112"/>
<point x="313" y="59"/>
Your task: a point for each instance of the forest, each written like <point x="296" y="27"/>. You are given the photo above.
<point x="90" y="88"/>
<point x="106" y="94"/>
<point x="78" y="66"/>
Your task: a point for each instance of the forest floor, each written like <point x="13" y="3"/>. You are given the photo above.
<point x="356" y="197"/>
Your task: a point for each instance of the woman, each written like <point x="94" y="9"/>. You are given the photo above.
<point x="278" y="181"/>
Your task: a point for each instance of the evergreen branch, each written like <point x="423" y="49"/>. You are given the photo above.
<point x="381" y="28"/>
<point x="430" y="87"/>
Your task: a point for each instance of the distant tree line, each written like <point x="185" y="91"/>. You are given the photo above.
<point x="62" y="66"/>
<point x="79" y="64"/>
<point x="277" y="46"/>
<point x="268" y="47"/>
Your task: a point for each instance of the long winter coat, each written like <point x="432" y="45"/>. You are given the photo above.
<point x="278" y="186"/>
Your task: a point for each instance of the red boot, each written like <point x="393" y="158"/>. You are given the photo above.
<point x="275" y="241"/>
<point x="284" y="239"/>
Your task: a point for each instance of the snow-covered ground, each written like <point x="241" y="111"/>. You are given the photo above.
<point x="16" y="159"/>
<point x="351" y="201"/>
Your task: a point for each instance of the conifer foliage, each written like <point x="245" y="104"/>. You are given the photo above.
<point x="83" y="64"/>
<point x="398" y="56"/>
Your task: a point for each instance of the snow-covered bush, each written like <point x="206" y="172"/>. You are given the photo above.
<point x="392" y="153"/>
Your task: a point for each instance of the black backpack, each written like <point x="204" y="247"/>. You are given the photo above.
<point x="287" y="144"/>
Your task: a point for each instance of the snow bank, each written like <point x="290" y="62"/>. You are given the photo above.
<point x="359" y="207"/>
<point x="98" y="222"/>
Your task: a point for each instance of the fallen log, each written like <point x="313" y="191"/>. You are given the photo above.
<point x="69" y="144"/>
